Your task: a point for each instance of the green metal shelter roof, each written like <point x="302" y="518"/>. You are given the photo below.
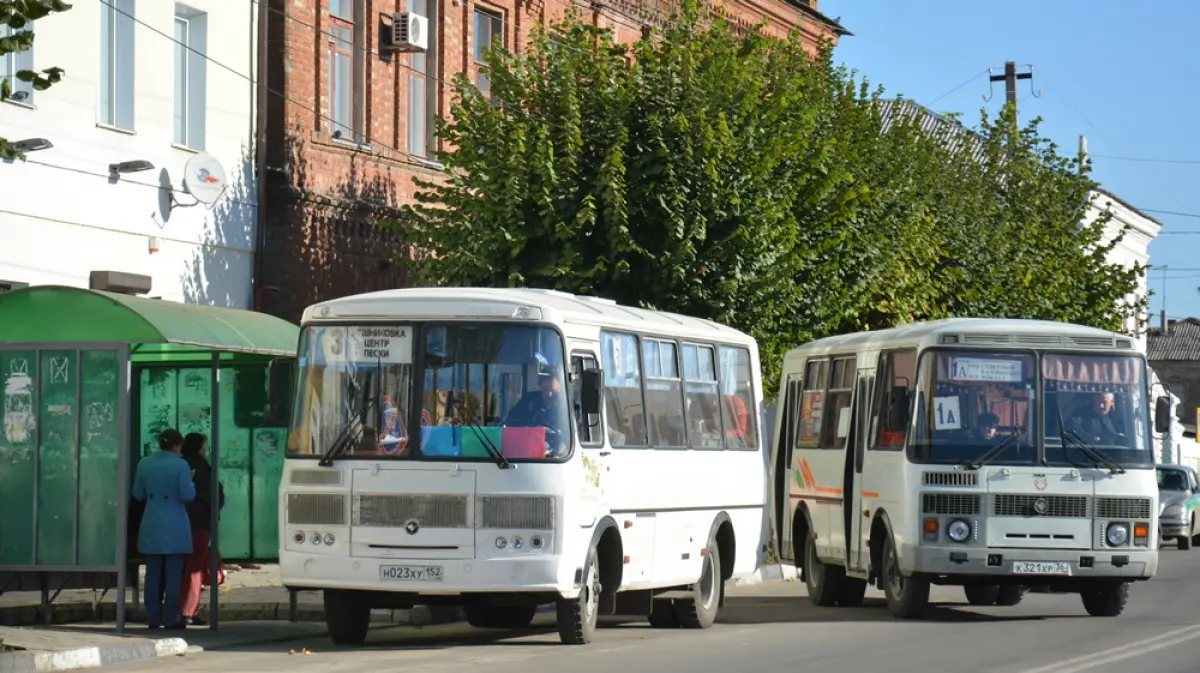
<point x="155" y="328"/>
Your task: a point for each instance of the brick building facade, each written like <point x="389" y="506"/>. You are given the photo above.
<point x="349" y="125"/>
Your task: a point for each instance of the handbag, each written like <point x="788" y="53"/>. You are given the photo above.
<point x="206" y="575"/>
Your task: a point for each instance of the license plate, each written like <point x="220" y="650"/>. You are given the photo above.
<point x="1035" y="568"/>
<point x="411" y="573"/>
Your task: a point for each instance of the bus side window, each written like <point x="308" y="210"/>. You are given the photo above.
<point x="591" y="430"/>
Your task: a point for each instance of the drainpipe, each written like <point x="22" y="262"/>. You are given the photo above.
<point x="260" y="149"/>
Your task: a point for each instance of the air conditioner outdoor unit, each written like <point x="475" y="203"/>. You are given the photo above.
<point x="410" y="32"/>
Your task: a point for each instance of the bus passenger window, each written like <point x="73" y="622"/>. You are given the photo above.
<point x="738" y="395"/>
<point x="701" y="393"/>
<point x="623" y="386"/>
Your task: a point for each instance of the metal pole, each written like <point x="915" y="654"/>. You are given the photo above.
<point x="214" y="458"/>
<point x="124" y="451"/>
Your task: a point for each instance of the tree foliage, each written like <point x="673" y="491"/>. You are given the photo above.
<point x="15" y="16"/>
<point x="734" y="177"/>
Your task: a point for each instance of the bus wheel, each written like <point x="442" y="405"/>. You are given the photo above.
<point x="824" y="581"/>
<point x="1010" y="595"/>
<point x="577" y="616"/>
<point x="1105" y="599"/>
<point x="500" y="617"/>
<point x="700" y="611"/>
<point x="347" y="616"/>
<point x="907" y="597"/>
<point x="981" y="594"/>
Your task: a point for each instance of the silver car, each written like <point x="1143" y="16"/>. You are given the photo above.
<point x="1179" y="505"/>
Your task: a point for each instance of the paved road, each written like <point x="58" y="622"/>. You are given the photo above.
<point x="773" y="628"/>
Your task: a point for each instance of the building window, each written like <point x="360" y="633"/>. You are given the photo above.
<point x="423" y="85"/>
<point x="116" y="63"/>
<point x="489" y="32"/>
<point x="13" y="63"/>
<point x="191" y="39"/>
<point x="346" y="70"/>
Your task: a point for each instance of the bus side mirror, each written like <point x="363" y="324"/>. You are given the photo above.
<point x="591" y="383"/>
<point x="1162" y="414"/>
<point x="897" y="415"/>
<point x="279" y="392"/>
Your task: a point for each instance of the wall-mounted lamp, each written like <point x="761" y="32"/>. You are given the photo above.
<point x="153" y="244"/>
<point x="19" y="96"/>
<point x="32" y="145"/>
<point x="135" y="166"/>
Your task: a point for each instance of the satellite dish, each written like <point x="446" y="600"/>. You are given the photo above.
<point x="204" y="178"/>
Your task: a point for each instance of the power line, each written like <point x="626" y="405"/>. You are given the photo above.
<point x="1170" y="212"/>
<point x="1147" y="160"/>
<point x="970" y="79"/>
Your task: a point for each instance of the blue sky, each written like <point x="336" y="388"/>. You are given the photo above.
<point x="1108" y="69"/>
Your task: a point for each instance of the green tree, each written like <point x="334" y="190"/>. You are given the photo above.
<point x="16" y="15"/>
<point x="733" y="177"/>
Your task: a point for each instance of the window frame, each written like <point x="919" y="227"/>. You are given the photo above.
<point x="195" y="95"/>
<point x="832" y="419"/>
<point x="355" y="53"/>
<point x="427" y="75"/>
<point x="112" y="82"/>
<point x="884" y="379"/>
<point x="678" y="380"/>
<point x="16" y="62"/>
<point x="715" y="345"/>
<point x="497" y="27"/>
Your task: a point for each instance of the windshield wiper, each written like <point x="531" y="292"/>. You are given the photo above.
<point x="343" y="439"/>
<point x="1098" y="458"/>
<point x="995" y="451"/>
<point x="1092" y="452"/>
<point x="496" y="454"/>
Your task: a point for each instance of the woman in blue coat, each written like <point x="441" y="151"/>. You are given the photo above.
<point x="164" y="482"/>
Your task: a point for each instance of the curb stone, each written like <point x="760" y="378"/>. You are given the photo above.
<point x="67" y="613"/>
<point x="90" y="657"/>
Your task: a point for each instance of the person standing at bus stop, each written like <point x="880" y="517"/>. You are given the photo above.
<point x="164" y="481"/>
<point x="195" y="452"/>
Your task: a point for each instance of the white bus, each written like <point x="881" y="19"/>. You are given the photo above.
<point x="996" y="455"/>
<point x="567" y="451"/>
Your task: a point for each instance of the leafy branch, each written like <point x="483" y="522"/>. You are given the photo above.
<point x="15" y="16"/>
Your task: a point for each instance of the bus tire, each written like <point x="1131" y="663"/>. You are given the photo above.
<point x="662" y="615"/>
<point x="700" y="611"/>
<point x="981" y="594"/>
<point x="577" y="617"/>
<point x="1010" y="595"/>
<point x="347" y="616"/>
<point x="852" y="593"/>
<point x="907" y="597"/>
<point x="1105" y="599"/>
<point x="500" y="617"/>
<point x="823" y="580"/>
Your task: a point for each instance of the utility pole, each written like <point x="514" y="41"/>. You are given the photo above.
<point x="1010" y="78"/>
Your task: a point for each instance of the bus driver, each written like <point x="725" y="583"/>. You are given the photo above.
<point x="545" y="407"/>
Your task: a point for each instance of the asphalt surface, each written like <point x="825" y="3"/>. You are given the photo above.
<point x="773" y="628"/>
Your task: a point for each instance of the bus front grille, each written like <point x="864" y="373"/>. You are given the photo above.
<point x="1057" y="506"/>
<point x="516" y="512"/>
<point x="1122" y="508"/>
<point x="316" y="509"/>
<point x="395" y="511"/>
<point x="964" y="504"/>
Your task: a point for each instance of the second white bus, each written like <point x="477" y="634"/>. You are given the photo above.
<point x="500" y="449"/>
<point x="996" y="455"/>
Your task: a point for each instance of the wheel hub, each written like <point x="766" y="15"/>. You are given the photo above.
<point x="708" y="585"/>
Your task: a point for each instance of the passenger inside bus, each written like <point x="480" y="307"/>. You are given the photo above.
<point x="1096" y="423"/>
<point x="986" y="428"/>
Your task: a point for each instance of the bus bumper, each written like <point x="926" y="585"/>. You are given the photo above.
<point x="1036" y="564"/>
<point x="458" y="576"/>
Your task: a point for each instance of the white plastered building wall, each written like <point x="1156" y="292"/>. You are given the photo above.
<point x="63" y="215"/>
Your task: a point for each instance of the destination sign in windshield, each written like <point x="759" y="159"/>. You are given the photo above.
<point x="388" y="345"/>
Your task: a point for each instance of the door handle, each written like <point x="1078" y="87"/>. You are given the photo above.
<point x="606" y="453"/>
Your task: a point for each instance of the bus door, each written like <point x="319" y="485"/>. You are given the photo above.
<point x="856" y="445"/>
<point x="788" y="419"/>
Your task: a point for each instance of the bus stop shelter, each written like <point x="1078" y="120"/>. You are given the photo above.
<point x="88" y="380"/>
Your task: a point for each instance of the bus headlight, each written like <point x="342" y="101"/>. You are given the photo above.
<point x="1117" y="535"/>
<point x="959" y="530"/>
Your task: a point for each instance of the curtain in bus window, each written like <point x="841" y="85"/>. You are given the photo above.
<point x="812" y="405"/>
<point x="740" y="411"/>
<point x="623" y="389"/>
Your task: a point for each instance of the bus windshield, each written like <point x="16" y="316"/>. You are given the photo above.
<point x="970" y="402"/>
<point x="1098" y="401"/>
<point x="481" y="388"/>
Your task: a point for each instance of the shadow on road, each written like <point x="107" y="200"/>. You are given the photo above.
<point x="785" y="609"/>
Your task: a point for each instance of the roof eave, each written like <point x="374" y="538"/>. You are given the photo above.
<point x="832" y="24"/>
